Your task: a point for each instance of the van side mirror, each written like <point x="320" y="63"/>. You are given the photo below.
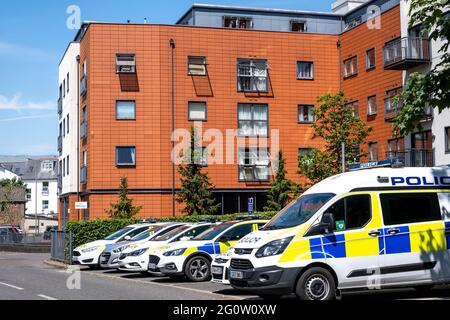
<point x="127" y="238"/>
<point x="326" y="226"/>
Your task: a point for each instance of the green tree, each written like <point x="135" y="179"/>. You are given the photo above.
<point x="11" y="190"/>
<point x="432" y="89"/>
<point x="196" y="188"/>
<point x="12" y="183"/>
<point x="282" y="190"/>
<point x="124" y="208"/>
<point x="335" y="123"/>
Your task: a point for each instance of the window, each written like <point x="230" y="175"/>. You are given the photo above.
<point x="373" y="151"/>
<point x="126" y="110"/>
<point x="252" y="120"/>
<point x="64" y="167"/>
<point x="84" y="68"/>
<point x="197" y="66"/>
<point x="67" y="165"/>
<point x="45" y="205"/>
<point x="197" y="111"/>
<point x="64" y="87"/>
<point x="354" y="106"/>
<point x="351" y="67"/>
<point x="125" y="156"/>
<point x="237" y="22"/>
<point x="370" y="59"/>
<point x="252" y="75"/>
<point x="64" y="127"/>
<point x="68" y="83"/>
<point x="67" y="124"/>
<point x="84" y="159"/>
<point x="447" y="140"/>
<point x="60" y="91"/>
<point x="28" y="191"/>
<point x="372" y="106"/>
<point x="254" y="164"/>
<point x="305" y="70"/>
<point x="402" y="208"/>
<point x="236" y="233"/>
<point x="45" y="185"/>
<point x="352" y="212"/>
<point x="125" y="63"/>
<point x="305" y="113"/>
<point x="396" y="148"/>
<point x="298" y="26"/>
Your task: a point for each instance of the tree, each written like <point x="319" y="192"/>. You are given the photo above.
<point x="11" y="191"/>
<point x="432" y="89"/>
<point x="124" y="208"/>
<point x="281" y="190"/>
<point x="335" y="123"/>
<point x="196" y="188"/>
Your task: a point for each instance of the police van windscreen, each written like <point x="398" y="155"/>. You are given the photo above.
<point x="299" y="211"/>
<point x="213" y="232"/>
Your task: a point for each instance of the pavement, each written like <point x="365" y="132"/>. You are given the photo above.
<point x="26" y="276"/>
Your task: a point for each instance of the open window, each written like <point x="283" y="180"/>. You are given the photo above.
<point x="237" y="22"/>
<point x="254" y="164"/>
<point x="196" y="66"/>
<point x="298" y="26"/>
<point x="126" y="63"/>
<point x="252" y="75"/>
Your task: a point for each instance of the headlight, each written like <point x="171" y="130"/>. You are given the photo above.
<point x="176" y="252"/>
<point x="273" y="248"/>
<point x="137" y="252"/>
<point x="120" y="249"/>
<point x="91" y="249"/>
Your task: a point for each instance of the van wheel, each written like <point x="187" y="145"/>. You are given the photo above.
<point x="198" y="269"/>
<point x="316" y="284"/>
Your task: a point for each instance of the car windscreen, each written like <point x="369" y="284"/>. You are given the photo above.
<point x="147" y="233"/>
<point x="164" y="236"/>
<point x="299" y="211"/>
<point x="118" y="234"/>
<point x="213" y="232"/>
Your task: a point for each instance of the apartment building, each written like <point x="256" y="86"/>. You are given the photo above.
<point x="256" y="71"/>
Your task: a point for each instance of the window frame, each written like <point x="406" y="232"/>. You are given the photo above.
<point x="298" y="113"/>
<point x="126" y="119"/>
<point x="312" y="70"/>
<point x="304" y="22"/>
<point x="368" y="153"/>
<point x="254" y="166"/>
<point x="354" y="104"/>
<point x="206" y="111"/>
<point x="252" y="120"/>
<point x="355" y="73"/>
<point x="126" y="165"/>
<point x="205" y="65"/>
<point x="371" y="67"/>
<point x="133" y="64"/>
<point x="238" y="20"/>
<point x="251" y="63"/>
<point x="369" y="114"/>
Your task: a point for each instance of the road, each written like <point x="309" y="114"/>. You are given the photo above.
<point x="25" y="276"/>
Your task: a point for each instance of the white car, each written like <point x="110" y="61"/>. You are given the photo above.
<point x="220" y="268"/>
<point x="193" y="258"/>
<point x="136" y="257"/>
<point x="89" y="254"/>
<point x="109" y="259"/>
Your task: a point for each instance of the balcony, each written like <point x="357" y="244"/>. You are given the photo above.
<point x="83" y="86"/>
<point x="60" y="106"/>
<point x="406" y="53"/>
<point x="413" y="157"/>
<point x="83" y="130"/>
<point x="391" y="108"/>
<point x="83" y="175"/>
<point x="60" y="143"/>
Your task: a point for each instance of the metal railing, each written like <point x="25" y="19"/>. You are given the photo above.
<point x="413" y="157"/>
<point x="83" y="130"/>
<point x="407" y="48"/>
<point x="12" y="238"/>
<point x="62" y="246"/>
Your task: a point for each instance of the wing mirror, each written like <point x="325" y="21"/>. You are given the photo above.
<point x="326" y="226"/>
<point x="127" y="238"/>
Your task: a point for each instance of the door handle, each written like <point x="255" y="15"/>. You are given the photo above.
<point x="374" y="233"/>
<point x="393" y="231"/>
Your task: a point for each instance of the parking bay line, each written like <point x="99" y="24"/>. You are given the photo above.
<point x="164" y="285"/>
<point x="46" y="297"/>
<point x="11" y="286"/>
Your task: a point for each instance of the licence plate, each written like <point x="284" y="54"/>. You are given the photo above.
<point x="216" y="270"/>
<point x="103" y="259"/>
<point x="152" y="266"/>
<point x="236" y="274"/>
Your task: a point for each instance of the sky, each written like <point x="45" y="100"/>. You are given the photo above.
<point x="33" y="38"/>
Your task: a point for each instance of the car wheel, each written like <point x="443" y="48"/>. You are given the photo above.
<point x="316" y="284"/>
<point x="198" y="269"/>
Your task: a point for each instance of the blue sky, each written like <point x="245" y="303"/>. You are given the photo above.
<point x="33" y="37"/>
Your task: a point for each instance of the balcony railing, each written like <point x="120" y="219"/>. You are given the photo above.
<point x="83" y="175"/>
<point x="413" y="157"/>
<point x="406" y="53"/>
<point x="83" y="86"/>
<point x="60" y="106"/>
<point x="391" y="108"/>
<point x="83" y="130"/>
<point x="60" y="144"/>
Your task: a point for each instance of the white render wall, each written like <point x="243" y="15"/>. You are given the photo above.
<point x="37" y="196"/>
<point x="440" y="120"/>
<point x="6" y="174"/>
<point x="69" y="65"/>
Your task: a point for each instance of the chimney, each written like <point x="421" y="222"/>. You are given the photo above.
<point x="344" y="6"/>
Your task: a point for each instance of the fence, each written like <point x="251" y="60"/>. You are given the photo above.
<point x="12" y="238"/>
<point x="62" y="246"/>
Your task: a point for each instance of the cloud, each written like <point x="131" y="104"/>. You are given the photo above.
<point x="42" y="116"/>
<point x="16" y="103"/>
<point x="19" y="50"/>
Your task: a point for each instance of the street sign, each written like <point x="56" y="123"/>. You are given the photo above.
<point x="250" y="206"/>
<point x="81" y="205"/>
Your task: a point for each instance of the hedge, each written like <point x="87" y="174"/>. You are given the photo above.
<point x="88" y="231"/>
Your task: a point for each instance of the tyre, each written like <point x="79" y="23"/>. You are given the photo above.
<point x="198" y="269"/>
<point x="316" y="284"/>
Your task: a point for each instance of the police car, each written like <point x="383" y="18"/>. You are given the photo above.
<point x="373" y="229"/>
<point x="89" y="253"/>
<point x="135" y="258"/>
<point x="193" y="258"/>
<point x="220" y="267"/>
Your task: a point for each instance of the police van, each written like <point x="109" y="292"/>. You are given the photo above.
<point x="372" y="229"/>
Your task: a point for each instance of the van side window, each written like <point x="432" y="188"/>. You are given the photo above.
<point x="238" y="232"/>
<point x="352" y="212"/>
<point x="402" y="208"/>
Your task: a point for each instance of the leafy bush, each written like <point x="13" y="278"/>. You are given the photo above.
<point x="87" y="231"/>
